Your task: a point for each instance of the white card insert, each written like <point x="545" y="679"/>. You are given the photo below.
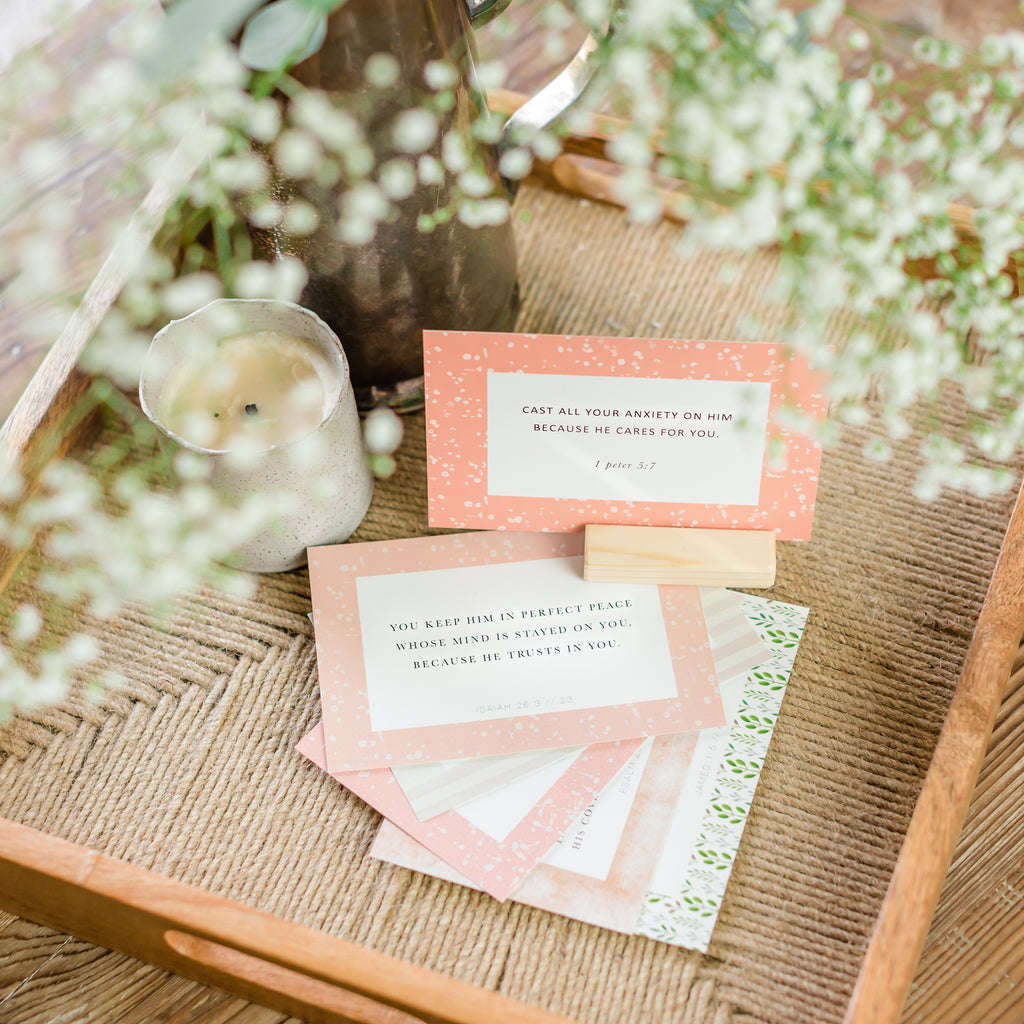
<point x="489" y="648"/>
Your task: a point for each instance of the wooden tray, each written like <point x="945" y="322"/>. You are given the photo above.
<point x="318" y="977"/>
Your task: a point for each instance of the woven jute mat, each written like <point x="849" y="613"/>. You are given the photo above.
<point x="189" y="770"/>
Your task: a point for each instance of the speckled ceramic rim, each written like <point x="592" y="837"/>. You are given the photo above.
<point x="254" y="314"/>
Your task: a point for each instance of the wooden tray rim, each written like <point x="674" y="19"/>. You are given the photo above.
<point x="232" y="961"/>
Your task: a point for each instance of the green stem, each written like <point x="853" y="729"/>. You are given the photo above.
<point x="223" y="252"/>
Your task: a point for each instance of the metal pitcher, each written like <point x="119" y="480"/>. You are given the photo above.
<point x="379" y="296"/>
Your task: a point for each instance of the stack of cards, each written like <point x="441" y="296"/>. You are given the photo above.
<point x="581" y="747"/>
<point x="588" y="748"/>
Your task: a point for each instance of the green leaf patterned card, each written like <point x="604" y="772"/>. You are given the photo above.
<point x="689" y="884"/>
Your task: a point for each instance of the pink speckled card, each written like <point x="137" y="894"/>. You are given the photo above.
<point x="552" y="432"/>
<point x="606" y="886"/>
<point x="476" y="644"/>
<point x="497" y="864"/>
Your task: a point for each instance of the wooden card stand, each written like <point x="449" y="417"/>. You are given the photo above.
<point x="679" y="555"/>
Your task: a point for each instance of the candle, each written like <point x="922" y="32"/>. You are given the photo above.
<point x="252" y="390"/>
<point x="269" y="380"/>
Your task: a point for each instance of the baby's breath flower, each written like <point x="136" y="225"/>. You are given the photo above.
<point x="823" y="15"/>
<point x="26" y="624"/>
<point x="927" y="49"/>
<point x="545" y="144"/>
<point x="429" y="170"/>
<point x="300" y="218"/>
<point x="265" y="213"/>
<point x="491" y="75"/>
<point x="475" y="182"/>
<point x="359" y="161"/>
<point x="994" y="49"/>
<point x="555" y="47"/>
<point x="297" y="153"/>
<point x="382" y="431"/>
<point x="253" y="279"/>
<point x="290" y="276"/>
<point x="336" y="128"/>
<point x="440" y="74"/>
<point x="596" y="13"/>
<point x="365" y="200"/>
<point x="881" y="74"/>
<point x="12" y="484"/>
<point x="942" y="109"/>
<point x="892" y="108"/>
<point x="858" y="39"/>
<point x="397" y="179"/>
<point x="415" y="130"/>
<point x="241" y="174"/>
<point x="455" y="153"/>
<point x="478" y="213"/>
<point x="488" y="129"/>
<point x="362" y="207"/>
<point x="219" y="71"/>
<point x="382" y="70"/>
<point x="186" y="294"/>
<point x="81" y="648"/>
<point x="262" y="120"/>
<point x="515" y="163"/>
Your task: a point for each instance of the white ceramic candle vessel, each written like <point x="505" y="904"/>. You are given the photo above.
<point x="261" y="388"/>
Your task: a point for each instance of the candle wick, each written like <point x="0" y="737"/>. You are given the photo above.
<point x="251" y="410"/>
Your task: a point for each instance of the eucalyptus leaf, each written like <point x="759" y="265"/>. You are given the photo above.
<point x="738" y="18"/>
<point x="709" y="9"/>
<point x="190" y="25"/>
<point x="282" y="34"/>
<point x="802" y="36"/>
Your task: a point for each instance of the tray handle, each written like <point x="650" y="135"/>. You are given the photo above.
<point x="188" y="931"/>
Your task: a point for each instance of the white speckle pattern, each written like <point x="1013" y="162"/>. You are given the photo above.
<point x="353" y="746"/>
<point x="456" y="405"/>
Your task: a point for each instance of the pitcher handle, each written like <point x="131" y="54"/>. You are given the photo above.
<point x="481" y="11"/>
<point x="555" y="98"/>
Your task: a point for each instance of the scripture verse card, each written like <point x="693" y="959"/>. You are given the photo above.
<point x="471" y="645"/>
<point x="689" y="884"/>
<point x="552" y="432"/>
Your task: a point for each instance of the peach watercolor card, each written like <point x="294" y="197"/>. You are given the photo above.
<point x="497" y="864"/>
<point x="477" y="644"/>
<point x="553" y="432"/>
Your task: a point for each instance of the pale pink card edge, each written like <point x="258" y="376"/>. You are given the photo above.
<point x="500" y="867"/>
